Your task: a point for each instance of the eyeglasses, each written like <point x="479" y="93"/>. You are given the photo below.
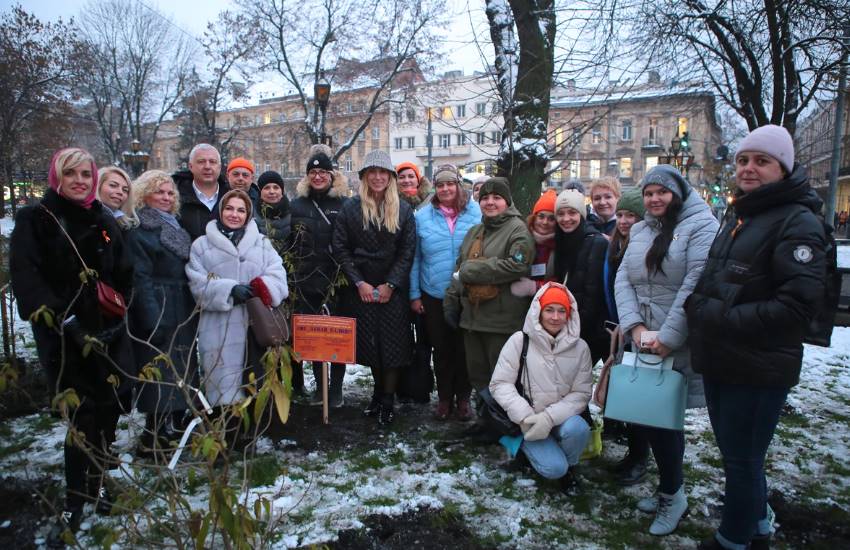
<point x="317" y="173"/>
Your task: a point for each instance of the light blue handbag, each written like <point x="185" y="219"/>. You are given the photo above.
<point x="651" y="396"/>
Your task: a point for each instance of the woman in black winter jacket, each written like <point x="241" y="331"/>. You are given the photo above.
<point x="272" y="211"/>
<point x="315" y="275"/>
<point x="162" y="311"/>
<point x="578" y="262"/>
<point x="761" y="286"/>
<point x="46" y="279"/>
<point x="375" y="241"/>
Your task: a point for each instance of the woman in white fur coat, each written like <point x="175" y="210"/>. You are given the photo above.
<point x="552" y="412"/>
<point x="222" y="269"/>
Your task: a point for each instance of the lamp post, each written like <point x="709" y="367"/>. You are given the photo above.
<point x="322" y="95"/>
<point x="136" y="159"/>
<point x="679" y="154"/>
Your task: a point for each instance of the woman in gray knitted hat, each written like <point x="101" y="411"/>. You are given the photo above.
<point x="374" y="241"/>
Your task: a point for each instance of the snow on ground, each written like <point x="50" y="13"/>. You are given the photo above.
<point x="320" y="492"/>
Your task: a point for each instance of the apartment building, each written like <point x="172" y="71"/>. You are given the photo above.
<point x="624" y="131"/>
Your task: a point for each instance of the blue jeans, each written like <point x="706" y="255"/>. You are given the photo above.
<point x="562" y="448"/>
<point x="743" y="418"/>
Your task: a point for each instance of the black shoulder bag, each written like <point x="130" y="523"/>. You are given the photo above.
<point x="493" y="414"/>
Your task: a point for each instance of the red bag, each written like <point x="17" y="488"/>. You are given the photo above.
<point x="111" y="301"/>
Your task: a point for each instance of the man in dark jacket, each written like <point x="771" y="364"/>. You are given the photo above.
<point x="240" y="175"/>
<point x="762" y="285"/>
<point x="200" y="188"/>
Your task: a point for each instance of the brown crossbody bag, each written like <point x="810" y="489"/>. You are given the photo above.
<point x="477" y="293"/>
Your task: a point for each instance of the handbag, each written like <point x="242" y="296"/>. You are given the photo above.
<point x="477" y="293"/>
<point x="269" y="324"/>
<point x="493" y="414"/>
<point x="600" y="392"/>
<point x="111" y="302"/>
<point x="647" y="395"/>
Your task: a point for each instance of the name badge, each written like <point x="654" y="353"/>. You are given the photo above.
<point x="538" y="270"/>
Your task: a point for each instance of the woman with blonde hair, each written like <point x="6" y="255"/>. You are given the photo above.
<point x="113" y="192"/>
<point x="375" y="241"/>
<point x="161" y="313"/>
<point x="604" y="194"/>
<point x="53" y="243"/>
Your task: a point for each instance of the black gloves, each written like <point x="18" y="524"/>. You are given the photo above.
<point x="241" y="294"/>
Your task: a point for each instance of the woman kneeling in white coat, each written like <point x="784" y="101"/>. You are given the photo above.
<point x="558" y="380"/>
<point x="222" y="265"/>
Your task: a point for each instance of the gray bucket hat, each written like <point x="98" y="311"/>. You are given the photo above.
<point x="377" y="159"/>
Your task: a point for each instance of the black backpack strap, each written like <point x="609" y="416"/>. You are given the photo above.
<point x="522" y="359"/>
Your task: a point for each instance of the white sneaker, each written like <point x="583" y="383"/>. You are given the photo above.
<point x="671" y="509"/>
<point x="648" y="505"/>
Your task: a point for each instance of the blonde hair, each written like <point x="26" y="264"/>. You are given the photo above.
<point x="609" y="182"/>
<point x="384" y="214"/>
<point x="148" y="183"/>
<point x="71" y="157"/>
<point x="107" y="171"/>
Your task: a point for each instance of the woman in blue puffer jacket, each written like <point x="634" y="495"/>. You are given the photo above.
<point x="441" y="226"/>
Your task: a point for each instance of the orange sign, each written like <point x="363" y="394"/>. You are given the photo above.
<point x="324" y="338"/>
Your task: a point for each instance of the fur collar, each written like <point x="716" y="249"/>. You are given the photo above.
<point x="339" y="186"/>
<point x="218" y="240"/>
<point x="173" y="239"/>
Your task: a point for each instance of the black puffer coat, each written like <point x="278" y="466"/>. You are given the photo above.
<point x="586" y="281"/>
<point x="194" y="216"/>
<point x="274" y="221"/>
<point x="377" y="257"/>
<point x="314" y="268"/>
<point x="162" y="303"/>
<point x="45" y="270"/>
<point x="761" y="286"/>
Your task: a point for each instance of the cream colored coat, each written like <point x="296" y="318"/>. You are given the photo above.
<point x="558" y="369"/>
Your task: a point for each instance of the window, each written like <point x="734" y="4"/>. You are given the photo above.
<point x="284" y="168"/>
<point x="376" y="132"/>
<point x="480" y="137"/>
<point x="349" y="166"/>
<point x="653" y="131"/>
<point x="460" y="111"/>
<point x="479" y="168"/>
<point x="575" y="169"/>
<point x="281" y="141"/>
<point x="282" y="118"/>
<point x="495" y="108"/>
<point x="480" y="109"/>
<point x="267" y="119"/>
<point x="595" y="168"/>
<point x="411" y="115"/>
<point x="625" y="167"/>
<point x="596" y="136"/>
<point x="445" y="140"/>
<point x="461" y="139"/>
<point x="559" y="137"/>
<point x="575" y="140"/>
<point x="397" y="143"/>
<point x="650" y="163"/>
<point x="411" y="142"/>
<point x="361" y="136"/>
<point x="495" y="137"/>
<point x="268" y="167"/>
<point x="682" y="126"/>
<point x="626" y="134"/>
<point x="398" y="116"/>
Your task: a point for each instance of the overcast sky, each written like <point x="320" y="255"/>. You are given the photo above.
<point x="458" y="37"/>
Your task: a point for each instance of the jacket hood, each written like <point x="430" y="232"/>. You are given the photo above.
<point x="422" y="193"/>
<point x="339" y="186"/>
<point x="568" y="336"/>
<point x="501" y="219"/>
<point x="793" y="189"/>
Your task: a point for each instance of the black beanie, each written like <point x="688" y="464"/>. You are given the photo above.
<point x="320" y="160"/>
<point x="269" y="177"/>
<point x="498" y="186"/>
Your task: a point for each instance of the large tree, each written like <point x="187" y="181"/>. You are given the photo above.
<point x="523" y="36"/>
<point x="133" y="64"/>
<point x="33" y="64"/>
<point x="766" y="59"/>
<point x="373" y="44"/>
<point x="228" y="44"/>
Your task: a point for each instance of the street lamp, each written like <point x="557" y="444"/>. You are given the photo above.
<point x="322" y="95"/>
<point x="679" y="154"/>
<point x="136" y="159"/>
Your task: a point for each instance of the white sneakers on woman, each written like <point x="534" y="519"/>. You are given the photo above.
<point x="671" y="509"/>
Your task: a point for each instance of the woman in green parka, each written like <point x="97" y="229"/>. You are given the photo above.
<point x="494" y="254"/>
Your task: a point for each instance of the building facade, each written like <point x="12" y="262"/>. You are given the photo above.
<point x="624" y="132"/>
<point x="813" y="143"/>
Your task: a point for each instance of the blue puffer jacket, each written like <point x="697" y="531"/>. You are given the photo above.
<point x="437" y="249"/>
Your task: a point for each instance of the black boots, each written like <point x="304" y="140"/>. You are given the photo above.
<point x="386" y="415"/>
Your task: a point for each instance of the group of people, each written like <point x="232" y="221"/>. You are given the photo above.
<point x="460" y="272"/>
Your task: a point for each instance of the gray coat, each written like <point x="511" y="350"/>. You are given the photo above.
<point x="657" y="300"/>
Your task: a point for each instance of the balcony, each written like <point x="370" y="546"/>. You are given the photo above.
<point x="452" y="151"/>
<point x="651" y="143"/>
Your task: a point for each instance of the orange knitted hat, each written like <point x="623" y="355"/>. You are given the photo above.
<point x="409" y="166"/>
<point x="239" y="162"/>
<point x="546" y="203"/>
<point x="556" y="294"/>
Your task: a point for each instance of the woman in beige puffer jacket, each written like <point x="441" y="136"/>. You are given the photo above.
<point x="556" y="383"/>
